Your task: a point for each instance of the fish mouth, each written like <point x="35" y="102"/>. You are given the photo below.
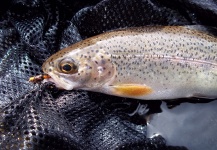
<point x="53" y="81"/>
<point x="59" y="81"/>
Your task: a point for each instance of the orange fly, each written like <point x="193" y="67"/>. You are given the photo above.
<point x="39" y="78"/>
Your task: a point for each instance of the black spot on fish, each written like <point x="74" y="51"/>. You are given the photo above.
<point x="51" y="63"/>
<point x="103" y="61"/>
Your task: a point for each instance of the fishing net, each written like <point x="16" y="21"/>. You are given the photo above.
<point x="43" y="117"/>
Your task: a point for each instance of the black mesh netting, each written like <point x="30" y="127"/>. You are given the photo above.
<point x="41" y="117"/>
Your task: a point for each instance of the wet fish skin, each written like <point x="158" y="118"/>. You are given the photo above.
<point x="162" y="62"/>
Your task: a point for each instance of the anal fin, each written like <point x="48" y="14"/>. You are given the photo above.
<point x="131" y="90"/>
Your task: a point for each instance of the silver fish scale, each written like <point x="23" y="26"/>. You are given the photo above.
<point x="165" y="59"/>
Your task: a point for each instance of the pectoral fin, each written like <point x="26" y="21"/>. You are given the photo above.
<point x="131" y="90"/>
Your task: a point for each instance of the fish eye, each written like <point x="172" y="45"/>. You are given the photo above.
<point x="68" y="67"/>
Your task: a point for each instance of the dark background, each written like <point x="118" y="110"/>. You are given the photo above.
<point x="41" y="117"/>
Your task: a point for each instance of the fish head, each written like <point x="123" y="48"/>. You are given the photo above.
<point x="80" y="69"/>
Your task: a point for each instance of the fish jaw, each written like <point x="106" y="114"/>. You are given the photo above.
<point x="60" y="82"/>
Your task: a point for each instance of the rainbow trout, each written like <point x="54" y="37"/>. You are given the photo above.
<point x="163" y="62"/>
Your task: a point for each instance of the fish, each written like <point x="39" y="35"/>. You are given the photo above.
<point x="147" y="63"/>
